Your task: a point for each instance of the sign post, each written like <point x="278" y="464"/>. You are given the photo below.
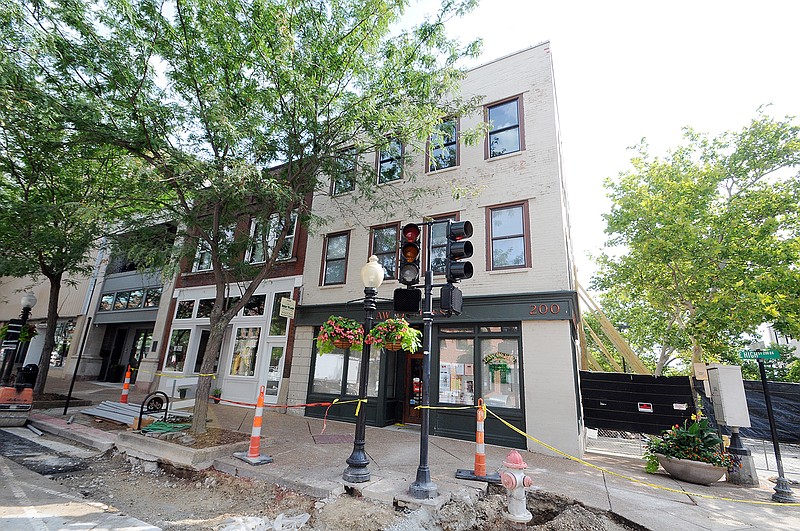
<point x="783" y="492"/>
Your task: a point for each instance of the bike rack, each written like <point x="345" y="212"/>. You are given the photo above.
<point x="154" y="403"/>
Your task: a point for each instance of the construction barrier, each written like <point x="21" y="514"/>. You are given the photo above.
<point x="253" y="454"/>
<point x="478" y="473"/>
<point x="126" y="386"/>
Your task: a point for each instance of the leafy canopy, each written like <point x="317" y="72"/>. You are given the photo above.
<point x="703" y="243"/>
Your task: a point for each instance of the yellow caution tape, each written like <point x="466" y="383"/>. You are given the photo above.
<point x="357" y="400"/>
<point x="601" y="469"/>
<point x="635" y="480"/>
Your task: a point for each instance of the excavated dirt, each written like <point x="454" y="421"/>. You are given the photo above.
<point x="211" y="500"/>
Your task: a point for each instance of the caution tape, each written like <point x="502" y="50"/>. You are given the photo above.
<point x="173" y="374"/>
<point x="605" y="470"/>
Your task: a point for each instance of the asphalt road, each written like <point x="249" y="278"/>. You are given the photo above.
<point x="30" y="500"/>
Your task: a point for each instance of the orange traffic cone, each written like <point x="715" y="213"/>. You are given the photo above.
<point x="253" y="454"/>
<point x="479" y="472"/>
<point x="126" y="386"/>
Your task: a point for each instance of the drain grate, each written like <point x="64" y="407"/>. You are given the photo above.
<point x="333" y="438"/>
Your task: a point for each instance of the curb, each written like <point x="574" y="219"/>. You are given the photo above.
<point x="315" y="488"/>
<point x="85" y="435"/>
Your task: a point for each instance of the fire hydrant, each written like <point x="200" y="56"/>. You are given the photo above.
<point x="515" y="482"/>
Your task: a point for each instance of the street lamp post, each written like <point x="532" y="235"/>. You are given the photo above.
<point x="357" y="472"/>
<point x="28" y="301"/>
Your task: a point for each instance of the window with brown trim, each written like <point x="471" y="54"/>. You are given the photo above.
<point x="383" y="244"/>
<point x="390" y="162"/>
<point x="334" y="264"/>
<point x="443" y="146"/>
<point x="505" y="127"/>
<point x="508" y="236"/>
<point x="345" y="179"/>
<point x="438" y="255"/>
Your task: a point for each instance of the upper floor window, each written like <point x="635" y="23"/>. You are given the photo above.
<point x="203" y="260"/>
<point x="383" y="244"/>
<point x="443" y="146"/>
<point x="505" y="131"/>
<point x="273" y="230"/>
<point x="335" y="259"/>
<point x="439" y="244"/>
<point x="344" y="180"/>
<point x="509" y="236"/>
<point x="390" y="162"/>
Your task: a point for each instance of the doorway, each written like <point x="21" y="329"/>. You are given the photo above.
<point x="413" y="389"/>
<point x="141" y="346"/>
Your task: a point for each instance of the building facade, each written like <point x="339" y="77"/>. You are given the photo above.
<point x="515" y="345"/>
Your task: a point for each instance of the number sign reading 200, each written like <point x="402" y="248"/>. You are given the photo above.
<point x="544" y="309"/>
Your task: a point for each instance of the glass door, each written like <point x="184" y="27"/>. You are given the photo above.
<point x="141" y="346"/>
<point x="274" y="371"/>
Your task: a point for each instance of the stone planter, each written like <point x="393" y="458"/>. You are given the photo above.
<point x="691" y="471"/>
<point x="160" y="451"/>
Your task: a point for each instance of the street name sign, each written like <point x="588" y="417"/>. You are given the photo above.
<point x="771" y="354"/>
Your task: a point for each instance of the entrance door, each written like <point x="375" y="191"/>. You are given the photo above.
<point x="274" y="371"/>
<point x="413" y="389"/>
<point x="140" y="348"/>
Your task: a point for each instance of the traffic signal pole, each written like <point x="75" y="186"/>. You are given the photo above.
<point x="423" y="487"/>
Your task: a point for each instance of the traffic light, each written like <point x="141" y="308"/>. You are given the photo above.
<point x="458" y="249"/>
<point x="409" y="265"/>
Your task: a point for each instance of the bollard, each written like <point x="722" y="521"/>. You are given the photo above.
<point x="253" y="454"/>
<point x="126" y="386"/>
<point x="478" y="473"/>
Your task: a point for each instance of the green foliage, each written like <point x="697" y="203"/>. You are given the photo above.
<point x="27" y="333"/>
<point x="704" y="243"/>
<point x="695" y="440"/>
<point x="339" y="329"/>
<point x="240" y="111"/>
<point x="395" y="331"/>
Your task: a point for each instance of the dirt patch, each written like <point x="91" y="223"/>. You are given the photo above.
<point x="212" y="437"/>
<point x="211" y="500"/>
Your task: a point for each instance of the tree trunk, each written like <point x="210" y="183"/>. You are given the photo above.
<point x="49" y="334"/>
<point x="213" y="348"/>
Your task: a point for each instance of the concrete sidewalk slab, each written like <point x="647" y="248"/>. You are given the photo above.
<point x="612" y="483"/>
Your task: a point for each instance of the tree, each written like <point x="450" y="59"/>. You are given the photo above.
<point x="57" y="191"/>
<point x="243" y="108"/>
<point x="705" y="241"/>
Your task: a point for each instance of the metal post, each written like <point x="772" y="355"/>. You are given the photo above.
<point x="423" y="487"/>
<point x="783" y="492"/>
<point x="357" y="471"/>
<point x="77" y="363"/>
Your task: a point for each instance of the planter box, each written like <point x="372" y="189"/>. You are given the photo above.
<point x="691" y="471"/>
<point x="157" y="450"/>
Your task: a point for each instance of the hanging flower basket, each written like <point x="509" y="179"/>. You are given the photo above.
<point x="339" y="332"/>
<point x="395" y="334"/>
<point x="27" y="333"/>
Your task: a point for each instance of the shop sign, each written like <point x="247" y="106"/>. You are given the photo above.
<point x="287" y="308"/>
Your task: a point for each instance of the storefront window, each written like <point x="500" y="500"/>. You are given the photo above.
<point x="254" y="306"/>
<point x="63" y="340"/>
<point x="245" y="349"/>
<point x="481" y="361"/>
<point x="204" y="307"/>
<point x="457" y="371"/>
<point x="373" y="379"/>
<point x="184" y="310"/>
<point x="176" y="355"/>
<point x="277" y="324"/>
<point x="500" y="372"/>
<point x="328" y="370"/>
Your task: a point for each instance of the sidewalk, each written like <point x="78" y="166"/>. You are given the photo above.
<point x="301" y="463"/>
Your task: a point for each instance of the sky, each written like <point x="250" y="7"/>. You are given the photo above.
<point x="627" y="70"/>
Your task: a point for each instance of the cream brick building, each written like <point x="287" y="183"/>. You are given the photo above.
<point x="520" y="302"/>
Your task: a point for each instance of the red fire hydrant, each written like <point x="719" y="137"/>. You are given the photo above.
<point x="515" y="482"/>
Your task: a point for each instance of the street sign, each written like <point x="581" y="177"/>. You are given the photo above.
<point x="771" y="354"/>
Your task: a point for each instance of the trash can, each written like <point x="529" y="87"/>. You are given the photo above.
<point x="26" y="377"/>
